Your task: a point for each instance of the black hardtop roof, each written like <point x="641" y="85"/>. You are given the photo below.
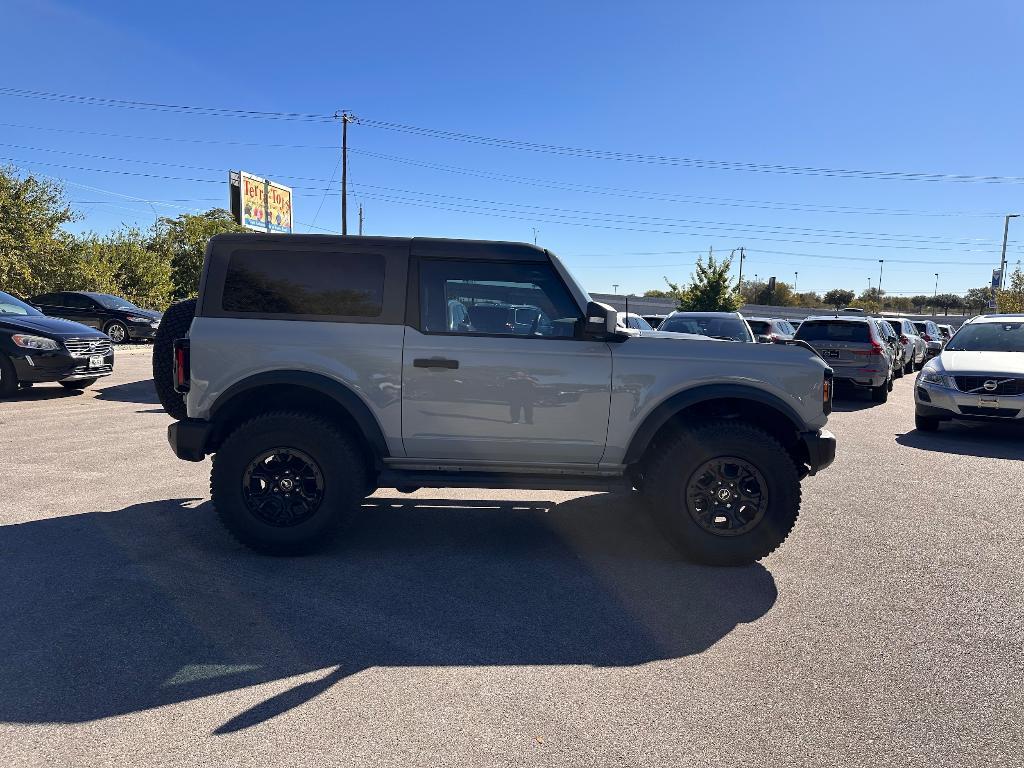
<point x="438" y="247"/>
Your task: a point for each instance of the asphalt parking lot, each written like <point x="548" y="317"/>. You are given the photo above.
<point x="478" y="628"/>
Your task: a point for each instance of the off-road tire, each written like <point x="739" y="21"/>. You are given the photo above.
<point x="909" y="367"/>
<point x="78" y="385"/>
<point x="926" y="423"/>
<point x="173" y="325"/>
<point x="340" y="462"/>
<point x="678" y="457"/>
<point x="880" y="394"/>
<point x="8" y="377"/>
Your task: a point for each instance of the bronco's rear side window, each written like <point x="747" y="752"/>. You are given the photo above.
<point x="287" y="282"/>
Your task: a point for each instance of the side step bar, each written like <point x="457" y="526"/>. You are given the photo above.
<point x="397" y="478"/>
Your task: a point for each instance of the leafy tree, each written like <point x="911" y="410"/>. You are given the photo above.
<point x="182" y="241"/>
<point x="654" y="293"/>
<point x="978" y="298"/>
<point x="709" y="289"/>
<point x="33" y="243"/>
<point x="920" y="302"/>
<point x="872" y="295"/>
<point x="123" y="263"/>
<point x="807" y="299"/>
<point x="870" y="306"/>
<point x="948" y="301"/>
<point x="898" y="303"/>
<point x="838" y="298"/>
<point x="1012" y="299"/>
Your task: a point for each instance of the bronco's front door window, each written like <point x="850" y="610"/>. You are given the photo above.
<point x="495" y="298"/>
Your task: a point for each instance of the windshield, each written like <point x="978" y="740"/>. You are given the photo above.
<point x="717" y="326"/>
<point x="834" y="330"/>
<point x="113" y="302"/>
<point x="12" y="306"/>
<point x="989" y="337"/>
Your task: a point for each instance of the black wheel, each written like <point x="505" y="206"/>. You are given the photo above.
<point x="897" y="372"/>
<point x="283" y="483"/>
<point x="926" y="423"/>
<point x="80" y="384"/>
<point x="880" y="393"/>
<point x="173" y="325"/>
<point x="726" y="492"/>
<point x="909" y="367"/>
<point x="8" y="377"/>
<point x="117" y="331"/>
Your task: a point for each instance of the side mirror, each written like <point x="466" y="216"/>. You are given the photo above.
<point x="601" y="321"/>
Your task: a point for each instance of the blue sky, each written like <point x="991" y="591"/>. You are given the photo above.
<point x="913" y="86"/>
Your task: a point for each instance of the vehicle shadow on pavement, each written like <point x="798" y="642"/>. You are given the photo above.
<point x="133" y="392"/>
<point x="41" y="392"/>
<point x="107" y="613"/>
<point x="987" y="441"/>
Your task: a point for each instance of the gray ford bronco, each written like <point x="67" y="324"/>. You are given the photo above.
<point x="317" y="369"/>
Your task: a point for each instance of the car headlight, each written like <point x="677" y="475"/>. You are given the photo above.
<point x="40" y="343"/>
<point x="932" y="376"/>
<point x="137" y="319"/>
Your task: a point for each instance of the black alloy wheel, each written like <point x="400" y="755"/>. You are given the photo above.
<point x="283" y="487"/>
<point x="726" y="496"/>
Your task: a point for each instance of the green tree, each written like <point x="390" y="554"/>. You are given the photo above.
<point x="870" y="306"/>
<point x="182" y="242"/>
<point x="1012" y="299"/>
<point x="33" y="243"/>
<point x="654" y="293"/>
<point x="977" y="299"/>
<point x="124" y="263"/>
<point x="948" y="301"/>
<point x="920" y="302"/>
<point x="808" y="299"/>
<point x="898" y="303"/>
<point x="710" y="288"/>
<point x="838" y="298"/>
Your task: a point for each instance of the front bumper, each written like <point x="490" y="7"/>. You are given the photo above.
<point x="935" y="401"/>
<point x="189" y="438"/>
<point x="41" y="367"/>
<point x="821" y="449"/>
<point x="141" y="331"/>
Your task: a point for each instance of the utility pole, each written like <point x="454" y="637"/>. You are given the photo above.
<point x="360" y="219"/>
<point x="534" y="235"/>
<point x="796" y="279"/>
<point x="345" y="118"/>
<point x="881" y="266"/>
<point x="1002" y="259"/>
<point x="936" y="294"/>
<point x="739" y="285"/>
<point x="869" y="286"/>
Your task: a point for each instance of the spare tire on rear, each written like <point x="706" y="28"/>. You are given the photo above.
<point x="174" y="325"/>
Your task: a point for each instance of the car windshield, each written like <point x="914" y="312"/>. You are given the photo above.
<point x="834" y="330"/>
<point x="108" y="301"/>
<point x="989" y="337"/>
<point x="12" y="306"/>
<point x="716" y="326"/>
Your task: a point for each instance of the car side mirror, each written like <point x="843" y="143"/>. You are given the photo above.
<point x="601" y="321"/>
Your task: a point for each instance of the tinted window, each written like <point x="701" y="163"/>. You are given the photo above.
<point x="76" y="301"/>
<point x="989" y="337"/>
<point x="833" y="330"/>
<point x="46" y="298"/>
<point x="760" y="327"/>
<point x="113" y="302"/>
<point x="304" y="283"/>
<point x="722" y="327"/>
<point x="921" y="327"/>
<point x="514" y="299"/>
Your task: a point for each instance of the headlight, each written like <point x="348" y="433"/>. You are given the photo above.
<point x="136" y="319"/>
<point x="34" y="342"/>
<point x="931" y="376"/>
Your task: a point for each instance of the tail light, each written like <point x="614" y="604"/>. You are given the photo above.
<point x="182" y="366"/>
<point x="826" y="392"/>
<point x="876" y="349"/>
<point x="926" y="337"/>
<point x="904" y="339"/>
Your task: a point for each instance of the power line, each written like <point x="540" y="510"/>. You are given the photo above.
<point x="181" y="139"/>
<point x="518" y="144"/>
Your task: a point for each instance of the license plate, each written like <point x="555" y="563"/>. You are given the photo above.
<point x="988" y="401"/>
<point x="832" y="354"/>
<point x="95" y="361"/>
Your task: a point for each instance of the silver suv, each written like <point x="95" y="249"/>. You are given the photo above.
<point x="317" y="369"/>
<point x="854" y="348"/>
<point x="979" y="376"/>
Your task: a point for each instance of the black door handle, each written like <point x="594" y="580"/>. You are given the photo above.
<point x="435" y="362"/>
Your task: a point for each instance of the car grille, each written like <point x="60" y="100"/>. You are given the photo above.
<point x="976" y="384"/>
<point x="86" y="347"/>
<point x="1003" y="413"/>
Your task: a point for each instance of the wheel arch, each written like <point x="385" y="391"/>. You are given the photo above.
<point x="712" y="401"/>
<point x="296" y="390"/>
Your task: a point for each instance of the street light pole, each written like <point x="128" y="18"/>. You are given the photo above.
<point x="881" y="266"/>
<point x="796" y="279"/>
<point x="1002" y="259"/>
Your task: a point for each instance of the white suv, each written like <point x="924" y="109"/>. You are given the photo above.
<point x="979" y="376"/>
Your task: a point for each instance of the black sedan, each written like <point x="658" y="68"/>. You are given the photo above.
<point x="118" y="318"/>
<point x="35" y="348"/>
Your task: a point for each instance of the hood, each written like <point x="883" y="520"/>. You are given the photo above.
<point x="673" y="335"/>
<point x="151" y="314"/>
<point x="49" y="326"/>
<point x="982" y="362"/>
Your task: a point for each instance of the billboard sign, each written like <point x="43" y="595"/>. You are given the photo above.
<point x="260" y="204"/>
<point x="997" y="278"/>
